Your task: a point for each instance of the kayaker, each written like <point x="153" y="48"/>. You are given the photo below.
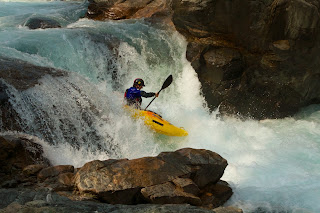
<point x="133" y="94"/>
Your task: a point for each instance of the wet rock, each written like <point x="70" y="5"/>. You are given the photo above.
<point x="54" y="171"/>
<point x="186" y="185"/>
<point x="23" y="75"/>
<point x="257" y="59"/>
<point x="26" y="200"/>
<point x="27" y="107"/>
<point x="116" y="10"/>
<point x="16" y="153"/>
<point x="66" y="178"/>
<point x="42" y="23"/>
<point x="120" y="181"/>
<point x="215" y="195"/>
<point x="33" y="169"/>
<point x="168" y="193"/>
<point x="267" y="77"/>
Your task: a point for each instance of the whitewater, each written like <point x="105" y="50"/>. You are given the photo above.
<point x="273" y="165"/>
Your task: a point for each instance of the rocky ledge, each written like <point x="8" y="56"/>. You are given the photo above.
<point x="188" y="178"/>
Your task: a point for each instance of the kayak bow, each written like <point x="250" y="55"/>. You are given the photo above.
<point x="156" y="122"/>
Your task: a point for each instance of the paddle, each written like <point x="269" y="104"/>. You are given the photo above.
<point x="166" y="83"/>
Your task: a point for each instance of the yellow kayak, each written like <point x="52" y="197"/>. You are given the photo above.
<point x="155" y="122"/>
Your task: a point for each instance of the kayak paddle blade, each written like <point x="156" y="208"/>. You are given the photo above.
<point x="167" y="82"/>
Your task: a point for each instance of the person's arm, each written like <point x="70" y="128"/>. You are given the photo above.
<point x="147" y="94"/>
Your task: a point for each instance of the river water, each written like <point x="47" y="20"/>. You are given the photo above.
<point x="274" y="165"/>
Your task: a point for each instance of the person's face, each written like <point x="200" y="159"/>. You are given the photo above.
<point x="139" y="87"/>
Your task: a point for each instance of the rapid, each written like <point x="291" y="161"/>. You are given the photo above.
<point x="274" y="165"/>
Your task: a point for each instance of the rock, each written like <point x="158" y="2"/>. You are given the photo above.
<point x="168" y="193"/>
<point x="222" y="64"/>
<point x="16" y="153"/>
<point x="33" y="169"/>
<point x="120" y="181"/>
<point x="116" y="10"/>
<point x="66" y="178"/>
<point x="186" y="185"/>
<point x="229" y="209"/>
<point x="55" y="171"/>
<point x="35" y="201"/>
<point x="263" y="82"/>
<point x="30" y="104"/>
<point x="215" y="195"/>
<point x="42" y="22"/>
<point x="206" y="166"/>
<point x="263" y="52"/>
<point x="282" y="44"/>
<point x="18" y="75"/>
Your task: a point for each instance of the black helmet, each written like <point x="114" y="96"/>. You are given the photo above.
<point x="139" y="82"/>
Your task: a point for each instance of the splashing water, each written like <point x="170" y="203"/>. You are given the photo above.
<point x="273" y="164"/>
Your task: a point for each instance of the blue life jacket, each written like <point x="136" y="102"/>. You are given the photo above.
<point x="133" y="96"/>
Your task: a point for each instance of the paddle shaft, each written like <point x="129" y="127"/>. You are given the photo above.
<point x="152" y="100"/>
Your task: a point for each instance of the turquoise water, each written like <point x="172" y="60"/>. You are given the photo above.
<point x="273" y="164"/>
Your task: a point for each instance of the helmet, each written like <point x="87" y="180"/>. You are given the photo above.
<point x="139" y="82"/>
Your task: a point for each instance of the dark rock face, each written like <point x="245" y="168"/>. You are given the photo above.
<point x="43" y="23"/>
<point x="19" y="75"/>
<point x="255" y="59"/>
<point x="34" y="200"/>
<point x="25" y="107"/>
<point x="16" y="153"/>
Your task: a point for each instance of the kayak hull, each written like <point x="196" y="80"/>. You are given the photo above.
<point x="156" y="122"/>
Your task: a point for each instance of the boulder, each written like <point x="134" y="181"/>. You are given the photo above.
<point x="186" y="185"/>
<point x="42" y="23"/>
<point x="33" y="169"/>
<point x="168" y="193"/>
<point x="116" y="10"/>
<point x="29" y="200"/>
<point x="121" y="181"/>
<point x="54" y="171"/>
<point x="214" y="195"/>
<point x="20" y="76"/>
<point x="66" y="178"/>
<point x="31" y="102"/>
<point x="16" y="153"/>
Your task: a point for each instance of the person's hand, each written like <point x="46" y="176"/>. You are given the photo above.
<point x="157" y="94"/>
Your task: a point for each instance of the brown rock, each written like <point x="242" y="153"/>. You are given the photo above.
<point x="228" y="209"/>
<point x="206" y="166"/>
<point x="120" y="181"/>
<point x="33" y="169"/>
<point x="168" y="193"/>
<point x="215" y="195"/>
<point x="16" y="153"/>
<point x="186" y="185"/>
<point x="116" y="10"/>
<point x="66" y="178"/>
<point x="54" y="171"/>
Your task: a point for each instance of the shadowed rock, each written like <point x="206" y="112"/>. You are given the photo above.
<point x="254" y="59"/>
<point x="42" y="23"/>
<point x="16" y="153"/>
<point x="33" y="101"/>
